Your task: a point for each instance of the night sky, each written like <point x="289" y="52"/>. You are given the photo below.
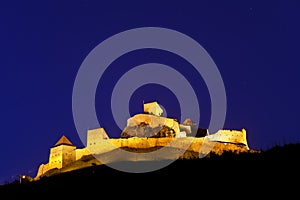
<point x="255" y="45"/>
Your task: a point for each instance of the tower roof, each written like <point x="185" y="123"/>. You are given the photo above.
<point x="63" y="141"/>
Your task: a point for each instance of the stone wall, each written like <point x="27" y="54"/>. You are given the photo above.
<point x="43" y="169"/>
<point x="55" y="157"/>
<point x="98" y="142"/>
<point x="82" y="152"/>
<point x="153" y="108"/>
<point x="69" y="154"/>
<point x="230" y="136"/>
<point x="189" y="143"/>
<point x="61" y="156"/>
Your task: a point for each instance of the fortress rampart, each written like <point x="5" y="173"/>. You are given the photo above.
<point x="98" y="142"/>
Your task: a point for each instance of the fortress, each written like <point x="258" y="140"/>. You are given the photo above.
<point x="145" y="131"/>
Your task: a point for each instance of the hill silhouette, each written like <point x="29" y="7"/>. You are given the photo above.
<point x="277" y="163"/>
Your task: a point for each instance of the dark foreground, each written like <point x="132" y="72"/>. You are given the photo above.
<point x="278" y="166"/>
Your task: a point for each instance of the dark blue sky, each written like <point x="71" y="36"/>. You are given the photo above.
<point x="255" y="45"/>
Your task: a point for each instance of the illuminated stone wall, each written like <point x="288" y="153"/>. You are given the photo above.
<point x="97" y="145"/>
<point x="153" y="108"/>
<point x="61" y="156"/>
<point x="230" y="136"/>
<point x="81" y="152"/>
<point x="98" y="142"/>
<point x="43" y="169"/>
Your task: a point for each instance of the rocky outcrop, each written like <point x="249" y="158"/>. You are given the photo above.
<point x="145" y="131"/>
<point x="146" y="125"/>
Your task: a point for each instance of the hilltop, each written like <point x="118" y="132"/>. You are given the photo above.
<point x="172" y="150"/>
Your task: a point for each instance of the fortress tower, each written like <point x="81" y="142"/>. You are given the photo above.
<point x="62" y="153"/>
<point x="97" y="140"/>
<point x="153" y="108"/>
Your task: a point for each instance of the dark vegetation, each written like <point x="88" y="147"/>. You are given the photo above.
<point x="271" y="166"/>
